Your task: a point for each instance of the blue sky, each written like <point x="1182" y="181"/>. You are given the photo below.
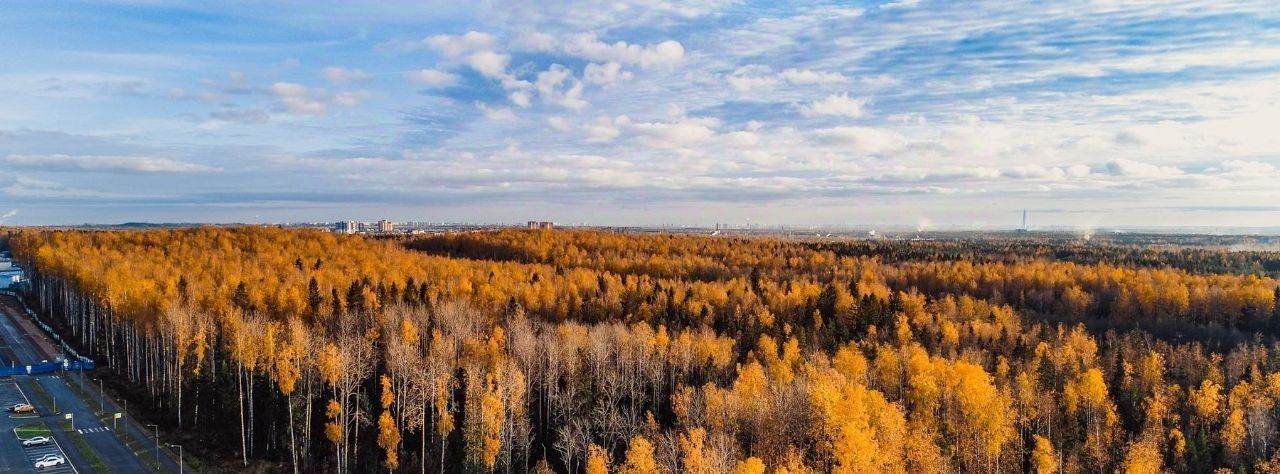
<point x="1089" y="113"/>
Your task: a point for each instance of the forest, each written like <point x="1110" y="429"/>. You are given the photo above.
<point x="592" y="351"/>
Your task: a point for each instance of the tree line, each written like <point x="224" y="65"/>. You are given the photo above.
<point x="578" y="351"/>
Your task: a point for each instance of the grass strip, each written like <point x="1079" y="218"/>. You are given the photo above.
<point x="28" y="431"/>
<point x="95" y="462"/>
<point x="47" y="404"/>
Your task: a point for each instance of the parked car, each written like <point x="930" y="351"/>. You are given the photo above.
<point x="36" y="441"/>
<point x="50" y="461"/>
<point x="22" y="408"/>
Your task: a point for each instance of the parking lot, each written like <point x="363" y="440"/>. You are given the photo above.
<point x="34" y="453"/>
<point x="11" y="395"/>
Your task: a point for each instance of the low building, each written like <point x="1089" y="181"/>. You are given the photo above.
<point x="10" y="278"/>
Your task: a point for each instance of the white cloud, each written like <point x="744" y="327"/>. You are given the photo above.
<point x="298" y="99"/>
<point x="1034" y="171"/>
<point x="900" y="4"/>
<point x="288" y="89"/>
<point x="302" y="105"/>
<point x="1247" y="168"/>
<point x="571" y="98"/>
<point x="742" y="138"/>
<point x="809" y="76"/>
<point x="840" y="105"/>
<point x="27" y="187"/>
<point x="520" y="98"/>
<point x="605" y="74"/>
<point x="1077" y="171"/>
<point x="558" y="123"/>
<point x="686" y="132"/>
<point x="489" y="64"/>
<point x="759" y="76"/>
<point x="1136" y="169"/>
<point x="557" y="86"/>
<point x="536" y="41"/>
<point x="588" y="46"/>
<point x="454" y="46"/>
<point x="351" y="99"/>
<point x="125" y="164"/>
<point x="604" y="129"/>
<point x="340" y="75"/>
<point x="753" y="76"/>
<point x="432" y="77"/>
<point x="862" y="139"/>
<point x="502" y="114"/>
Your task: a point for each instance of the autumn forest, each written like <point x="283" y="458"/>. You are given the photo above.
<point x="588" y="351"/>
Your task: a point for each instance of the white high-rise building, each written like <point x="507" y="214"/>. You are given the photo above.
<point x="346" y="227"/>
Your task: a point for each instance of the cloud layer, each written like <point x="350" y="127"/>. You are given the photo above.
<point x="647" y="112"/>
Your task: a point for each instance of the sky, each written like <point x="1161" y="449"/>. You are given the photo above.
<point x="921" y="113"/>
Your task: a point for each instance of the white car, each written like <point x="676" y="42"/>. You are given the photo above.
<point x="36" y="441"/>
<point x="50" y="461"/>
<point x="22" y="408"/>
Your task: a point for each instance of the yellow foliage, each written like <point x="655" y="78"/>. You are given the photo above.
<point x="752" y="465"/>
<point x="387" y="397"/>
<point x="389" y="439"/>
<point x="597" y="460"/>
<point x="1043" y="458"/>
<point x="1143" y="457"/>
<point x="861" y="431"/>
<point x="1206" y="401"/>
<point x="692" y="457"/>
<point x="639" y="458"/>
<point x="1233" y="435"/>
<point x="333" y="432"/>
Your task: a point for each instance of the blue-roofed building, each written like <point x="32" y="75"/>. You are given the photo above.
<point x="10" y="275"/>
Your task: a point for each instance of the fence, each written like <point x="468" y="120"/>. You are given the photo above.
<point x="47" y="368"/>
<point x="74" y="361"/>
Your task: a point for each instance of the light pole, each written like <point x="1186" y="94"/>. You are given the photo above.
<point x="102" y="396"/>
<point x="157" y="428"/>
<point x="179" y="446"/>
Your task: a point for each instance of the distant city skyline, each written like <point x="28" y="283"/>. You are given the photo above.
<point x="1087" y="113"/>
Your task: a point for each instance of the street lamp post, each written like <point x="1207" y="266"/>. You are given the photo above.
<point x="179" y="446"/>
<point x="157" y="428"/>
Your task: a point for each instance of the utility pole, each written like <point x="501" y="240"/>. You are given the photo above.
<point x="179" y="446"/>
<point x="157" y="428"/>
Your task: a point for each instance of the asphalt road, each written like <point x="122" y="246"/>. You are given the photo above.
<point x="99" y="436"/>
